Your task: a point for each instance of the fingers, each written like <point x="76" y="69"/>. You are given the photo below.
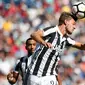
<point x="49" y="45"/>
<point x="10" y="75"/>
<point x="11" y="79"/>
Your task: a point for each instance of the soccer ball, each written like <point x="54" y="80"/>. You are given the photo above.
<point x="78" y="10"/>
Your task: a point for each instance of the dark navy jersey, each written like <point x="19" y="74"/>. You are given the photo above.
<point x="22" y="65"/>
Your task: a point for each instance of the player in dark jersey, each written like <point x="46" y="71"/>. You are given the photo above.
<point x="23" y="62"/>
<point x="53" y="41"/>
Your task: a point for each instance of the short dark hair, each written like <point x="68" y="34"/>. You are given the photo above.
<point x="66" y="16"/>
<point x="28" y="40"/>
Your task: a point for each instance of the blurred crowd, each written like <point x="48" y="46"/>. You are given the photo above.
<point x="19" y="18"/>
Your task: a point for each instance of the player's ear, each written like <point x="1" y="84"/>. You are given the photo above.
<point x="65" y="22"/>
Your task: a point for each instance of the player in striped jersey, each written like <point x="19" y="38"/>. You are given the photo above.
<point x="53" y="41"/>
<point x="23" y="62"/>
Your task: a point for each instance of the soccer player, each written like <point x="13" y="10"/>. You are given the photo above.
<point x="53" y="40"/>
<point x="23" y="62"/>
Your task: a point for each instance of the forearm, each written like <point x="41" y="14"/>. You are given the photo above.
<point x="80" y="46"/>
<point x="59" y="80"/>
<point x="38" y="38"/>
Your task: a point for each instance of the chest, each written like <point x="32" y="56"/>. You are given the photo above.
<point x="59" y="42"/>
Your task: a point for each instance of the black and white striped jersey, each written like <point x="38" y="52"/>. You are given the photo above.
<point x="47" y="58"/>
<point x="22" y="65"/>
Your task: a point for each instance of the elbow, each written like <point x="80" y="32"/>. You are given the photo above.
<point x="33" y="35"/>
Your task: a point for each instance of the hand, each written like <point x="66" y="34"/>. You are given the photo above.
<point x="49" y="45"/>
<point x="12" y="77"/>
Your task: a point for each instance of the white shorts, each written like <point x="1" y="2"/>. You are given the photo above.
<point x="45" y="80"/>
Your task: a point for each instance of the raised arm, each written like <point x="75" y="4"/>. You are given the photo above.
<point x="38" y="36"/>
<point x="79" y="45"/>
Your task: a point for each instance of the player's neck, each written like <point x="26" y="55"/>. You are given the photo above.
<point x="29" y="54"/>
<point x="62" y="29"/>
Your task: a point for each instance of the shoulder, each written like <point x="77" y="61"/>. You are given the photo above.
<point x="23" y="58"/>
<point x="47" y="28"/>
<point x="70" y="40"/>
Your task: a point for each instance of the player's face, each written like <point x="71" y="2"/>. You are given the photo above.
<point x="70" y="26"/>
<point x="31" y="46"/>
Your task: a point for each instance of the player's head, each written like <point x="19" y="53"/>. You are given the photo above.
<point x="69" y="21"/>
<point x="30" y="45"/>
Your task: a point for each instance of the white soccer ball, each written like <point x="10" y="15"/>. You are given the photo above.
<point x="78" y="9"/>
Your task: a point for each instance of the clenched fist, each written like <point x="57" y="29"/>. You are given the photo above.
<point x="12" y="77"/>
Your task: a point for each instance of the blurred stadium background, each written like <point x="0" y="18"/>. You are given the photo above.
<point x="19" y="18"/>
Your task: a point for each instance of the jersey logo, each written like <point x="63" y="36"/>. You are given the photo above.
<point x="52" y="82"/>
<point x="23" y="67"/>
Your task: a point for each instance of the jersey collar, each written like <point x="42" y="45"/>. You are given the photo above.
<point x="58" y="30"/>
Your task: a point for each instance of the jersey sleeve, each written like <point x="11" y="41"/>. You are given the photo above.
<point x="70" y="42"/>
<point x="17" y="67"/>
